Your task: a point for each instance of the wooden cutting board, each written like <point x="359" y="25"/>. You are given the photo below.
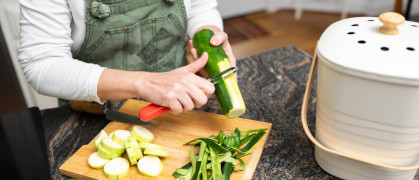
<point x="171" y="131"/>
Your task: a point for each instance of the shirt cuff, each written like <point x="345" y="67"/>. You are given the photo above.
<point x="95" y="74"/>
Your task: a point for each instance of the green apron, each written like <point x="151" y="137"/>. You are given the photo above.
<point x="135" y="35"/>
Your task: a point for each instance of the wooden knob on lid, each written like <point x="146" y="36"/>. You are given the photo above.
<point x="390" y="22"/>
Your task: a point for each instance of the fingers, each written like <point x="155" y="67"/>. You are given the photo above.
<point x="198" y="90"/>
<point x="198" y="64"/>
<point x="184" y="91"/>
<point x="207" y="88"/>
<point x="198" y="96"/>
<point x="191" y="95"/>
<point x="178" y="99"/>
<point x="195" y="57"/>
<point x="219" y="38"/>
<point x="191" y="44"/>
<point x="176" y="107"/>
<point x="186" y="101"/>
<point x="194" y="54"/>
<point x="193" y="50"/>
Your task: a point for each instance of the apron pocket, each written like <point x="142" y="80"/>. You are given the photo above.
<point x="106" y="51"/>
<point x="165" y="32"/>
<point x="144" y="46"/>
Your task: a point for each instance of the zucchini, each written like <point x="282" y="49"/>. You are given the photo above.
<point x="120" y="136"/>
<point x="142" y="134"/>
<point x="116" y="168"/>
<point x="150" y="166"/>
<point x="97" y="162"/>
<point x="227" y="91"/>
<point x="156" y="152"/>
<point x="102" y="135"/>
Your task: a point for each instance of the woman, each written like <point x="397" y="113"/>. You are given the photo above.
<point x="116" y="49"/>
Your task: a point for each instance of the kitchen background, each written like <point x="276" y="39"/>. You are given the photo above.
<point x="253" y="26"/>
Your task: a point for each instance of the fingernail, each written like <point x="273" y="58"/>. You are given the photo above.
<point x="213" y="42"/>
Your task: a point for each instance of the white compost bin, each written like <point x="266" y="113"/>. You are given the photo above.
<point x="367" y="106"/>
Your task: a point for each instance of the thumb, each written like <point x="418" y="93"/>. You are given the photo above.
<point x="198" y="64"/>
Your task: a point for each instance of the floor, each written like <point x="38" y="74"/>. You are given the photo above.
<point x="284" y="30"/>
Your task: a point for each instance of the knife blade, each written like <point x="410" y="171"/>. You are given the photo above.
<point x="111" y="115"/>
<point x="126" y="118"/>
<point x="153" y="110"/>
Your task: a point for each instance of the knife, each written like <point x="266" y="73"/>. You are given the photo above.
<point x="94" y="108"/>
<point x="153" y="110"/>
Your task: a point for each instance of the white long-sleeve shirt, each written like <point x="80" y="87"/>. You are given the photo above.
<point x="53" y="30"/>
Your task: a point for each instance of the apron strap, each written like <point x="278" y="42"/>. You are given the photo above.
<point x="113" y="7"/>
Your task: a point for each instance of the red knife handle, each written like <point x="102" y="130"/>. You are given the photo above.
<point x="152" y="111"/>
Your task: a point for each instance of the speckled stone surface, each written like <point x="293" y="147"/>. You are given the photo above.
<point x="272" y="84"/>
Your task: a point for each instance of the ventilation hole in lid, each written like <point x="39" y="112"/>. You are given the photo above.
<point x="370" y="19"/>
<point x="355" y="24"/>
<point x="385" y="48"/>
<point x="351" y="33"/>
<point x="410" y="49"/>
<point x="362" y="42"/>
<point x="414" y="25"/>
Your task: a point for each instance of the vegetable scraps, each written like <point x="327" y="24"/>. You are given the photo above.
<point x="218" y="155"/>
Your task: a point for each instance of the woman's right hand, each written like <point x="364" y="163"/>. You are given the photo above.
<point x="180" y="89"/>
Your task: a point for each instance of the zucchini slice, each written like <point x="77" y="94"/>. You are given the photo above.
<point x="227" y="91"/>
<point x="116" y="168"/>
<point x="142" y="134"/>
<point x="145" y="145"/>
<point x="106" y="154"/>
<point x="112" y="146"/>
<point x="97" y="162"/>
<point x="150" y="166"/>
<point x="132" y="156"/>
<point x="136" y="147"/>
<point x="102" y="135"/>
<point x="156" y="152"/>
<point x="120" y="136"/>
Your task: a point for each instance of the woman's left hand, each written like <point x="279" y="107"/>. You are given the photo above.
<point x="219" y="38"/>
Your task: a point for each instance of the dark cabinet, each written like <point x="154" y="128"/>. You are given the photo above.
<point x="11" y="97"/>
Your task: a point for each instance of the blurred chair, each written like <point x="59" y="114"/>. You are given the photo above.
<point x="398" y="8"/>
<point x="299" y="9"/>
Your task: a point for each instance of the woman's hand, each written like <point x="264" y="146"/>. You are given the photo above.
<point x="180" y="89"/>
<point x="219" y="38"/>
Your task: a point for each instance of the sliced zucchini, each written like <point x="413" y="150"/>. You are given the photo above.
<point x="102" y="135"/>
<point x="116" y="168"/>
<point x="150" y="166"/>
<point x="136" y="147"/>
<point x="156" y="152"/>
<point x="97" y="162"/>
<point x="142" y="134"/>
<point x="145" y="145"/>
<point x="106" y="154"/>
<point x="120" y="136"/>
<point x="132" y="156"/>
<point x="112" y="146"/>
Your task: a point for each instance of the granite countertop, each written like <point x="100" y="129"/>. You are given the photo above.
<point x="272" y="84"/>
